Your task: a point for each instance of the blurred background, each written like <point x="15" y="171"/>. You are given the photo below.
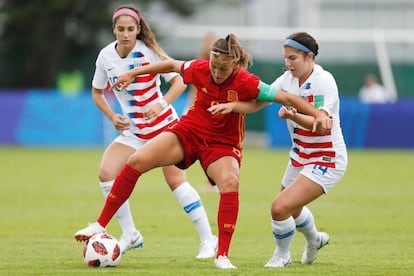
<point x="48" y="51"/>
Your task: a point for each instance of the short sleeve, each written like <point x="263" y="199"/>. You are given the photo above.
<point x="187" y="70"/>
<point x="250" y="84"/>
<point x="100" y="78"/>
<point x="330" y="93"/>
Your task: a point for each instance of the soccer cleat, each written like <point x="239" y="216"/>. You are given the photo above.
<point x="310" y="253"/>
<point x="92" y="229"/>
<point x="278" y="261"/>
<point x="127" y="242"/>
<point x="223" y="262"/>
<point x="208" y="249"/>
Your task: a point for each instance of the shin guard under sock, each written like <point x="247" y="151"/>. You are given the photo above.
<point x="226" y="219"/>
<point x="121" y="190"/>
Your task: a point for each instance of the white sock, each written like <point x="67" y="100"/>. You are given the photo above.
<point x="123" y="215"/>
<point x="305" y="224"/>
<point x="192" y="205"/>
<point x="283" y="232"/>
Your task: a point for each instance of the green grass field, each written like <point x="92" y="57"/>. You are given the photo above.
<point x="48" y="194"/>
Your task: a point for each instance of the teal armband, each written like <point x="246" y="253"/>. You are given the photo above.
<point x="267" y="93"/>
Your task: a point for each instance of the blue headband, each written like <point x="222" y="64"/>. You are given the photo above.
<point x="294" y="44"/>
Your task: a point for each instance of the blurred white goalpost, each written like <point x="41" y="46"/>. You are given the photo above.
<point x="378" y="37"/>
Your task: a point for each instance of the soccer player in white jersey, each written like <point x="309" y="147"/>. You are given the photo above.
<point x="317" y="160"/>
<point x="146" y="113"/>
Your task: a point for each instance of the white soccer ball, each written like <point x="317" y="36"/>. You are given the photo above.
<point x="102" y="250"/>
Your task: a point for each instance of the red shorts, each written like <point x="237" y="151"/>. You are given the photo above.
<point x="196" y="148"/>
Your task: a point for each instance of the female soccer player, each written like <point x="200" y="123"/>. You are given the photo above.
<point x="214" y="140"/>
<point x="317" y="161"/>
<point x="136" y="45"/>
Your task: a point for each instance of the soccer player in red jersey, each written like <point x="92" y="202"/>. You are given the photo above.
<point x="202" y="134"/>
<point x="136" y="45"/>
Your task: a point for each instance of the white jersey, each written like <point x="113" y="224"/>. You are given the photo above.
<point x="143" y="91"/>
<point x="321" y="91"/>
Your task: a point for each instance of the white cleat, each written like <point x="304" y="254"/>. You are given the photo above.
<point x="278" y="261"/>
<point x="127" y="242"/>
<point x="92" y="229"/>
<point x="208" y="249"/>
<point x="311" y="252"/>
<point x="223" y="262"/>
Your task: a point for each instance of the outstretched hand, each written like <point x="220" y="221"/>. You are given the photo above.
<point x="123" y="81"/>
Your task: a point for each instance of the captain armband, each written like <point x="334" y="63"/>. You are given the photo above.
<point x="266" y="92"/>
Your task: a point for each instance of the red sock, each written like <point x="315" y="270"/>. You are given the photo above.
<point x="121" y="190"/>
<point x="226" y="219"/>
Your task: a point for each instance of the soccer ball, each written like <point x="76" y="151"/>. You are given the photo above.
<point x="102" y="250"/>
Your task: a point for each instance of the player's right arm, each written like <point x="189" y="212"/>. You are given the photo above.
<point x="322" y="123"/>
<point x="117" y="119"/>
<point x="165" y="66"/>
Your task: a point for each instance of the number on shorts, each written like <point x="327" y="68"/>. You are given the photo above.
<point x="318" y="169"/>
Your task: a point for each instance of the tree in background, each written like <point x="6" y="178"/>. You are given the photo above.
<point x="39" y="37"/>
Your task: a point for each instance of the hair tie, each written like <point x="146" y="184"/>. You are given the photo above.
<point x="294" y="44"/>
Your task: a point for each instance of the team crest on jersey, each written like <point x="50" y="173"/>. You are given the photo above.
<point x="204" y="90"/>
<point x="232" y="96"/>
<point x="137" y="62"/>
<point x="137" y="59"/>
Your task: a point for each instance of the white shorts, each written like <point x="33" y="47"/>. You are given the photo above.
<point x="327" y="178"/>
<point x="129" y="139"/>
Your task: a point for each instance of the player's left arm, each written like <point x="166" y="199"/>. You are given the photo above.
<point x="287" y="112"/>
<point x="177" y="87"/>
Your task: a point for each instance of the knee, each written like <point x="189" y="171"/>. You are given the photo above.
<point x="105" y="174"/>
<point x="140" y="162"/>
<point x="174" y="181"/>
<point x="279" y="211"/>
<point x="229" y="183"/>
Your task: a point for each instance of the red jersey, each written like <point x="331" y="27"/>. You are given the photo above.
<point x="224" y="129"/>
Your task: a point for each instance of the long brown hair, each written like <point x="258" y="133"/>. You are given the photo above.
<point x="231" y="47"/>
<point x="146" y="35"/>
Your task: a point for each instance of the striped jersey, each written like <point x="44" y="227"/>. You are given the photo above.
<point x="321" y="91"/>
<point x="143" y="91"/>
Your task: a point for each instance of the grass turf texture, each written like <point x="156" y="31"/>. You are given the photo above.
<point x="48" y="194"/>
